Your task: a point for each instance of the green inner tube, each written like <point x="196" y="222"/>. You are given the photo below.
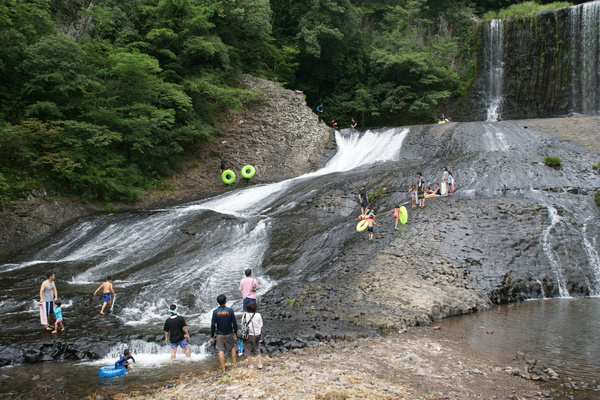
<point x="228" y="177"/>
<point x="248" y="171"/>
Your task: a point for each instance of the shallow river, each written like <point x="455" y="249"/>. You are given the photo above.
<point x="560" y="333"/>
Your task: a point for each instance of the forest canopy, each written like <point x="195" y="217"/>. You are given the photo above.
<point x="102" y="100"/>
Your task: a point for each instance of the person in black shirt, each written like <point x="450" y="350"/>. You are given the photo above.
<point x="176" y="332"/>
<point x="421" y="189"/>
<point x="223" y="328"/>
<point x="363" y="200"/>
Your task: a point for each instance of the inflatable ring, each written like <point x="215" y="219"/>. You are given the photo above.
<point x="363" y="217"/>
<point x="403" y="215"/>
<point x="362" y="225"/>
<point x="110" y="371"/>
<point x="228" y="177"/>
<point x="248" y="171"/>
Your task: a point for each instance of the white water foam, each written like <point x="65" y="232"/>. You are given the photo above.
<point x="495" y="138"/>
<point x="591" y="249"/>
<point x="494" y="63"/>
<point x="137" y="246"/>
<point x="151" y="354"/>
<point x="551" y="254"/>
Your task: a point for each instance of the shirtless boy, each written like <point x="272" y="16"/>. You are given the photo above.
<point x="370" y="227"/>
<point x="107" y="290"/>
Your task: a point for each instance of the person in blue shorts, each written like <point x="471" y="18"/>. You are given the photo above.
<point x="107" y="290"/>
<point x="176" y="332"/>
<point x="126" y="360"/>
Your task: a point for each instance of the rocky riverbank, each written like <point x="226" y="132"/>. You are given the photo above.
<point x="423" y="363"/>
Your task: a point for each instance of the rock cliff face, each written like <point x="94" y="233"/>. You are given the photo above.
<point x="276" y="133"/>
<point x="540" y="66"/>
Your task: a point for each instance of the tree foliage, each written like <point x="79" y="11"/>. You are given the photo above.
<point x="103" y="99"/>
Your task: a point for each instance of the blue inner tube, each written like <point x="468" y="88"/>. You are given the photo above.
<point x="228" y="177"/>
<point x="248" y="171"/>
<point x="110" y="370"/>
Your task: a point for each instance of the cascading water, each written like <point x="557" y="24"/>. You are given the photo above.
<point x="591" y="246"/>
<point x="585" y="45"/>
<point x="188" y="254"/>
<point x="493" y="54"/>
<point x="550" y="253"/>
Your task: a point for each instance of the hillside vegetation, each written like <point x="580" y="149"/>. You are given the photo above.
<point x="103" y="100"/>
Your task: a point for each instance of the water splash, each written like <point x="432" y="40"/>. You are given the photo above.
<point x="152" y="354"/>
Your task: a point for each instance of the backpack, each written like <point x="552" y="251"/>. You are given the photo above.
<point x="244" y="330"/>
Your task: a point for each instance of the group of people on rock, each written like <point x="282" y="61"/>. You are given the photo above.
<point x="319" y="109"/>
<point x="223" y="327"/>
<point x="418" y="193"/>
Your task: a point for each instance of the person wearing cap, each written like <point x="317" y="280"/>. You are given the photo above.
<point x="362" y="199"/>
<point x="248" y="287"/>
<point x="176" y="332"/>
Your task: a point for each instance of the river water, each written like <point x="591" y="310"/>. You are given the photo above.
<point x="560" y="333"/>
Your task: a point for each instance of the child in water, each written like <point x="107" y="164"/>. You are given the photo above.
<point x="59" y="317"/>
<point x="107" y="290"/>
<point x="396" y="212"/>
<point x="126" y="360"/>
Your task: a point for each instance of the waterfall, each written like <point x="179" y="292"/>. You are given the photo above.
<point x="191" y="253"/>
<point x="591" y="247"/>
<point x="493" y="54"/>
<point x="553" y="258"/>
<point x="585" y="71"/>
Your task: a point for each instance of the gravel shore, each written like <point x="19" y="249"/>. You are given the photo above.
<point x="423" y="363"/>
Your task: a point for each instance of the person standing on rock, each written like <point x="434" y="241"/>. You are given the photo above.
<point x="363" y="200"/>
<point x="450" y="183"/>
<point x="320" y="112"/>
<point x="48" y="295"/>
<point x="421" y="189"/>
<point x="251" y="345"/>
<point x="223" y="165"/>
<point x="176" y="333"/>
<point x="353" y="124"/>
<point x="223" y="327"/>
<point x="248" y="287"/>
<point x="445" y="182"/>
<point x="396" y="211"/>
<point x="413" y="195"/>
<point x="107" y="291"/>
<point x="370" y="227"/>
